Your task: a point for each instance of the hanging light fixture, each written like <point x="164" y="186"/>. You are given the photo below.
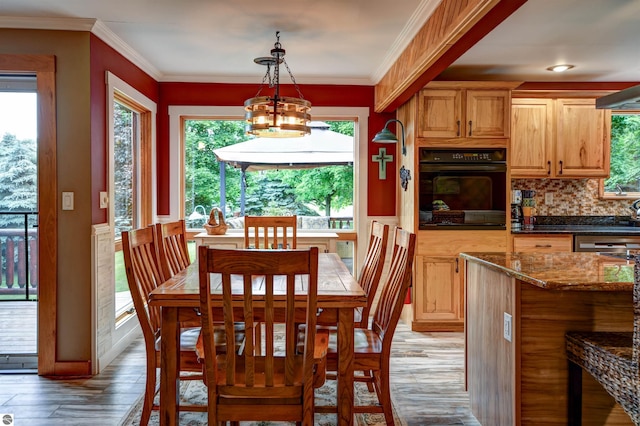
<point x="276" y="116"/>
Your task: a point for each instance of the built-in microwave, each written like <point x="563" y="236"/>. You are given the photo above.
<point x="462" y="188"/>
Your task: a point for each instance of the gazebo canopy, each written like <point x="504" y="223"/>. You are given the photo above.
<point x="323" y="147"/>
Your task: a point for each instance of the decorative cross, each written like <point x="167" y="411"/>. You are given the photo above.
<point x="382" y="159"/>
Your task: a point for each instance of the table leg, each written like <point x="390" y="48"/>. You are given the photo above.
<point x="345" y="366"/>
<point x="169" y="367"/>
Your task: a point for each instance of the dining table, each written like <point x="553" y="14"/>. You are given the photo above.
<point x="338" y="295"/>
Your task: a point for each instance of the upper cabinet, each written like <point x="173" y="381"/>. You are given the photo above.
<point x="559" y="138"/>
<point x="458" y="113"/>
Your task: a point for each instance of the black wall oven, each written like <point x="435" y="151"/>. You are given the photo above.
<point x="463" y="188"/>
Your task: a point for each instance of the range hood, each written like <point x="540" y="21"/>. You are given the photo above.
<point x="624" y="99"/>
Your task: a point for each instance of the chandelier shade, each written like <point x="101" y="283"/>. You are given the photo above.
<point x="276" y="116"/>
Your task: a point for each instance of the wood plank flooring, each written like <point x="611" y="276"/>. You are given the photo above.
<point x="427" y="386"/>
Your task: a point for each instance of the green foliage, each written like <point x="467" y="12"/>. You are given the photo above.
<point x="625" y="153"/>
<point x="202" y="170"/>
<point x="123" y="168"/>
<point x="18" y="178"/>
<point x="271" y="192"/>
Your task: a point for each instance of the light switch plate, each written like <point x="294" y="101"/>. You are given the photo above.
<point x="548" y="198"/>
<point x="104" y="199"/>
<point x="67" y="201"/>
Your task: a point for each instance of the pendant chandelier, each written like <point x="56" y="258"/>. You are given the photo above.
<point x="276" y="116"/>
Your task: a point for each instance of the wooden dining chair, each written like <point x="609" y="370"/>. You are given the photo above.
<point x="172" y="247"/>
<point x="144" y="274"/>
<point x="276" y="386"/>
<point x="372" y="345"/>
<point x="270" y="232"/>
<point x="612" y="358"/>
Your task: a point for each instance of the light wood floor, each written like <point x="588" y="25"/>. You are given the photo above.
<point x="427" y="387"/>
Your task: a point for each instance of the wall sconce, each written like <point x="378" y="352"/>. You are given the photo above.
<point x="386" y="136"/>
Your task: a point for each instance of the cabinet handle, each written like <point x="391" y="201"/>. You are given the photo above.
<point x="470" y="127"/>
<point x="543" y="245"/>
<point x="457" y="266"/>
<point x="549" y="167"/>
<point x="560" y="168"/>
<point x="458" y="123"/>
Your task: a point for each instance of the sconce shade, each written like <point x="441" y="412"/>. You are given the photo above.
<point x="387" y="136"/>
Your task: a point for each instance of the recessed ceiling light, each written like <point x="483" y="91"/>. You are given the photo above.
<point x="560" y="68"/>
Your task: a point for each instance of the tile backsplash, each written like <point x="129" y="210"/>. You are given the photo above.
<point x="572" y="197"/>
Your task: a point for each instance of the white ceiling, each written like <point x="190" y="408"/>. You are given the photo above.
<point x="344" y="41"/>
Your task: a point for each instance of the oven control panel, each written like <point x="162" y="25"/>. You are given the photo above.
<point x="462" y="156"/>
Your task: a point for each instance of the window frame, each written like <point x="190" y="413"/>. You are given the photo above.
<point x="604" y="195"/>
<point x="360" y="115"/>
<point x="120" y="91"/>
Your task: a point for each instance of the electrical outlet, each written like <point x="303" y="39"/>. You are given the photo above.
<point x="507" y="327"/>
<point x="548" y="198"/>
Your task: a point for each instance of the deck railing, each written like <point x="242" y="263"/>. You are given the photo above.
<point x="19" y="257"/>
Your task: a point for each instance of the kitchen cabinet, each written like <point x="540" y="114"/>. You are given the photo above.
<point x="456" y="113"/>
<point x="438" y="292"/>
<point x="543" y="243"/>
<point x="559" y="138"/>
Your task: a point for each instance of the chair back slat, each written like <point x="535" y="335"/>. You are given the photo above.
<point x="172" y="247"/>
<point x="270" y="232"/>
<point x="373" y="264"/>
<point x="394" y="291"/>
<point x="144" y="274"/>
<point x="268" y="280"/>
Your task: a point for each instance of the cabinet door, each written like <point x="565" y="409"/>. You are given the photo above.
<point x="437" y="296"/>
<point x="488" y="114"/>
<point x="582" y="140"/>
<point x="531" y="138"/>
<point x="440" y="113"/>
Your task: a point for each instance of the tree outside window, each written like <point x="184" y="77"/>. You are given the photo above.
<point x="624" y="175"/>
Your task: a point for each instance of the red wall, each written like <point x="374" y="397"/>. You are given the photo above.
<point x="381" y="193"/>
<point x="103" y="59"/>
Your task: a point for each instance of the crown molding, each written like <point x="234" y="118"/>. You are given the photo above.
<point x="48" y="23"/>
<point x="245" y="79"/>
<point x="415" y="23"/>
<point x="95" y="26"/>
<point x="103" y="32"/>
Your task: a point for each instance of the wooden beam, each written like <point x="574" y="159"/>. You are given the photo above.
<point x="453" y="28"/>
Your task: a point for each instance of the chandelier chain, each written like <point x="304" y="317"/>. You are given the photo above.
<point x="292" y="79"/>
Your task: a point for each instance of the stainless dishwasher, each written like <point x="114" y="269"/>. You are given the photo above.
<point x="607" y="243"/>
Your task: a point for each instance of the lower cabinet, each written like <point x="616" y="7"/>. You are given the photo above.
<point x="438" y="285"/>
<point x="439" y="304"/>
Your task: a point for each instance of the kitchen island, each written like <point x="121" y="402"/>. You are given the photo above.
<point x="518" y="308"/>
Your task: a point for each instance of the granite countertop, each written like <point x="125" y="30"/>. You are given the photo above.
<point x="562" y="271"/>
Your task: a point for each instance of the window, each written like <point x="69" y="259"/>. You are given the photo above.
<point x="131" y="124"/>
<point x="624" y="177"/>
<point x="181" y="204"/>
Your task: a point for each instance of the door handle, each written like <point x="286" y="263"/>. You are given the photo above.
<point x="457" y="266"/>
<point x="470" y="127"/>
<point x="560" y="172"/>
<point x="549" y="167"/>
<point x="458" y="132"/>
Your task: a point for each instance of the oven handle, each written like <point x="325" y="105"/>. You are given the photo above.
<point x="466" y="167"/>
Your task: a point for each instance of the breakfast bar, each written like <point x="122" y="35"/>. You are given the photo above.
<point x="518" y="308"/>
